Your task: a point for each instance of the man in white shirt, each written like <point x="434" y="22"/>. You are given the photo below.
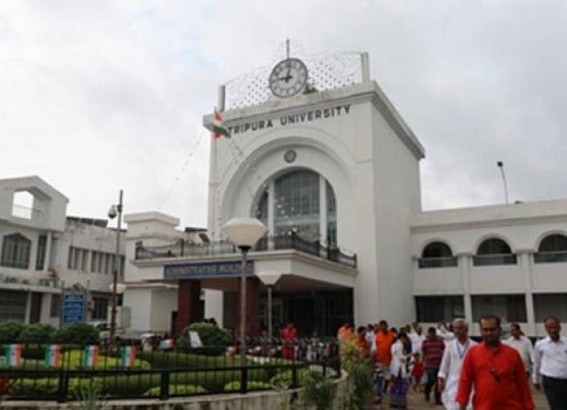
<point x="455" y="352"/>
<point x="523" y="345"/>
<point x="416" y="336"/>
<point x="550" y="365"/>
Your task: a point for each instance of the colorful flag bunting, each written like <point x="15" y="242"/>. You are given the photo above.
<point x="90" y="356"/>
<point x="127" y="356"/>
<point x="53" y="355"/>
<point x="13" y="355"/>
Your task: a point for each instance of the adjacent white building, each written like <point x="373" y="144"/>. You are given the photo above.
<point x="44" y="252"/>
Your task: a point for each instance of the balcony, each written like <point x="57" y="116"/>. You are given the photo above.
<point x="494" y="259"/>
<point x="550" y="257"/>
<point x="444" y="262"/>
<point x="280" y="242"/>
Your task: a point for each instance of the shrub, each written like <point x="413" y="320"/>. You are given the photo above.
<point x="41" y="387"/>
<point x="176" y="389"/>
<point x="77" y="333"/>
<point x="176" y="359"/>
<point x="359" y="387"/>
<point x="252" y="385"/>
<point x="10" y="331"/>
<point x="48" y="387"/>
<point x="318" y="391"/>
<point x="285" y="377"/>
<point x="215" y="339"/>
<point x="37" y="333"/>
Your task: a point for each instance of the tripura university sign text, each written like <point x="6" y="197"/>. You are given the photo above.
<point x="297" y="118"/>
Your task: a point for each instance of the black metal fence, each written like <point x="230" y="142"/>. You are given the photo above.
<point x="278" y="242"/>
<point x="68" y="373"/>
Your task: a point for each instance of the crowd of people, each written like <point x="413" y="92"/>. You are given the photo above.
<point x="452" y="370"/>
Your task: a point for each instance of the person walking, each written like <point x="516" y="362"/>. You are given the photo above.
<point x="495" y="371"/>
<point x="450" y="369"/>
<point x="385" y="338"/>
<point x="398" y="373"/>
<point x="432" y="349"/>
<point x="416" y="336"/>
<point x="523" y="345"/>
<point x="289" y="336"/>
<point x="550" y="365"/>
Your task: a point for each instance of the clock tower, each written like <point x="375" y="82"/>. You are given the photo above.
<point x="319" y="153"/>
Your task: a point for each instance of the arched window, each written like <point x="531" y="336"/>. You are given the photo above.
<point x="15" y="251"/>
<point x="494" y="251"/>
<point x="552" y="249"/>
<point x="437" y="255"/>
<point x="297" y="196"/>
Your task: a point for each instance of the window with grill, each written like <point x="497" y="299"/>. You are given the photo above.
<point x="509" y="307"/>
<point x="432" y="309"/>
<point x="41" y="248"/>
<point x="437" y="255"/>
<point x="552" y="249"/>
<point x="13" y="305"/>
<point x="550" y="304"/>
<point x="494" y="251"/>
<point x="16" y="251"/>
<point x="100" y="307"/>
<point x="55" y="306"/>
<point x="297" y="206"/>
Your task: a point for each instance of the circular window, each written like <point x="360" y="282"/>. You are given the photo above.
<point x="290" y="156"/>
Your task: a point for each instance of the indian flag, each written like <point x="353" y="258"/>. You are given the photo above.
<point x="90" y="356"/>
<point x="53" y="355"/>
<point x="218" y="127"/>
<point x="127" y="356"/>
<point x="14" y="355"/>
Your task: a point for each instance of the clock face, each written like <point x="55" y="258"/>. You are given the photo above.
<point x="288" y="77"/>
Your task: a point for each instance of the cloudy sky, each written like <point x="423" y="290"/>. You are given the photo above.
<point x="96" y="96"/>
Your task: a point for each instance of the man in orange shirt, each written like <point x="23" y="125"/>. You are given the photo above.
<point x="496" y="372"/>
<point x="384" y="341"/>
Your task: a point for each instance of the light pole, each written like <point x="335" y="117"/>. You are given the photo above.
<point x="269" y="279"/>
<point x="113" y="212"/>
<point x="244" y="233"/>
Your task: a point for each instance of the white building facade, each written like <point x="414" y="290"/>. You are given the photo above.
<point x="44" y="252"/>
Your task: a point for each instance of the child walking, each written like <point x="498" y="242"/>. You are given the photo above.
<point x="417" y="371"/>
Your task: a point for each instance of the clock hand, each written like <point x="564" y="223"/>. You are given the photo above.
<point x="288" y="76"/>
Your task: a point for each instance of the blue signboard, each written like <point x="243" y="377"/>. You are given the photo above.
<point x="207" y="270"/>
<point x="73" y="308"/>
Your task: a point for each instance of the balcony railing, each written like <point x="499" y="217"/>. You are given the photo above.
<point x="497" y="259"/>
<point x="279" y="242"/>
<point x="444" y="262"/>
<point x="550" y="257"/>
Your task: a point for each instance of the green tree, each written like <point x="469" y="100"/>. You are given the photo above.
<point x="77" y="333"/>
<point x="10" y="331"/>
<point x="37" y="333"/>
<point x="215" y="339"/>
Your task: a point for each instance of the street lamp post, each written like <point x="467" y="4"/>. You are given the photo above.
<point x="113" y="212"/>
<point x="269" y="279"/>
<point x="244" y="233"/>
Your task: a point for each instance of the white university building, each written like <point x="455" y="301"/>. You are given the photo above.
<point x="321" y="156"/>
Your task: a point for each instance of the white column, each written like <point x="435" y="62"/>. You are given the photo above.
<point x="271" y="212"/>
<point x="28" y="306"/>
<point x="323" y="209"/>
<point x="465" y="267"/>
<point x="525" y="259"/>
<point x="47" y="261"/>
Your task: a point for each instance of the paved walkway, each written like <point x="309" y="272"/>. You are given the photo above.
<point x="417" y="402"/>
